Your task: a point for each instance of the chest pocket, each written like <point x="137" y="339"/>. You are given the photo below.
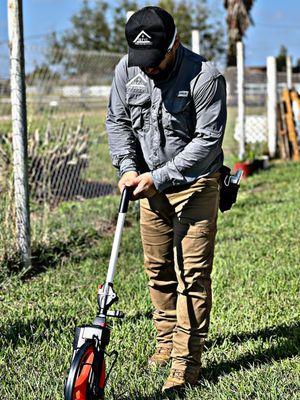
<point x="179" y="117"/>
<point x="139" y="106"/>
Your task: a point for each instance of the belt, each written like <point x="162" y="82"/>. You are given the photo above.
<point x="179" y="188"/>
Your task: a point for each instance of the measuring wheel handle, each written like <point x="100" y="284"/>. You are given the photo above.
<point x="87" y="376"/>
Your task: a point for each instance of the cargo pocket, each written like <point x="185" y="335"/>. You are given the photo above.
<point x="139" y="105"/>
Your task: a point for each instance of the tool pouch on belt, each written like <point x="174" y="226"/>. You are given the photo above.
<point x="229" y="188"/>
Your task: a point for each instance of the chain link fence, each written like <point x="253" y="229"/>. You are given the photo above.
<point x="69" y="163"/>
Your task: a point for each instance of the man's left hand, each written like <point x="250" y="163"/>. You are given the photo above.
<point x="145" y="186"/>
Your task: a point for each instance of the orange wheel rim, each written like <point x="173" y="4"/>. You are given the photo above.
<point x="81" y="383"/>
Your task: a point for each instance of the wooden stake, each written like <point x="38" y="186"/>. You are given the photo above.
<point x="283" y="142"/>
<point x="290" y="124"/>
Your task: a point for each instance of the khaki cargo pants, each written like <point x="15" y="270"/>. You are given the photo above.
<point x="178" y="257"/>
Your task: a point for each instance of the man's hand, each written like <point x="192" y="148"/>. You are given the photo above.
<point x="144" y="186"/>
<point x="128" y="179"/>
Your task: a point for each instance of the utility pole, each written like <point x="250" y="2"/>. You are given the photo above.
<point x="241" y="98"/>
<point x="19" y="129"/>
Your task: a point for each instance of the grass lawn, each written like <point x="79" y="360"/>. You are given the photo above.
<point x="253" y="346"/>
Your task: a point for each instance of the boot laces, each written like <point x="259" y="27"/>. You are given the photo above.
<point x="177" y="373"/>
<point x="163" y="350"/>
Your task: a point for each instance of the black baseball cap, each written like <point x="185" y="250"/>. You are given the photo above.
<point x="150" y="33"/>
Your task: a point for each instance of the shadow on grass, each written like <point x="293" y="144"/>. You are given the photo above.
<point x="136" y="317"/>
<point x="34" y="331"/>
<point x="76" y="247"/>
<point x="38" y="330"/>
<point x="137" y="396"/>
<point x="264" y="334"/>
<point x="287" y="348"/>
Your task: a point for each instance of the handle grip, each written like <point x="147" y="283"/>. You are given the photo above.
<point x="125" y="197"/>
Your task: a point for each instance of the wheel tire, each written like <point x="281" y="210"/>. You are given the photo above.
<point x="80" y="383"/>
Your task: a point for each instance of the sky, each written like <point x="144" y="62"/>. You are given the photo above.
<point x="276" y="23"/>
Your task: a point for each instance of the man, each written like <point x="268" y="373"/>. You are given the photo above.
<point x="165" y="124"/>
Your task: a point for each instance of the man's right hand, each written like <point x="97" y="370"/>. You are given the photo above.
<point x="128" y="179"/>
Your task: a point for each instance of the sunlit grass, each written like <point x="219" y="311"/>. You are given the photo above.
<point x="253" y="347"/>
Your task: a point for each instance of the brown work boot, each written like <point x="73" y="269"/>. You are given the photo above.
<point x="179" y="379"/>
<point x="161" y="357"/>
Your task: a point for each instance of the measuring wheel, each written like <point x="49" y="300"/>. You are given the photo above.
<point x="86" y="378"/>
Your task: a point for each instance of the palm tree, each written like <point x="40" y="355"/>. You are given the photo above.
<point x="238" y="20"/>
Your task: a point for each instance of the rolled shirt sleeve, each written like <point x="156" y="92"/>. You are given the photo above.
<point x="122" y="141"/>
<point x="199" y="156"/>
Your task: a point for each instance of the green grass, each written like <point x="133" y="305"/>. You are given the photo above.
<point x="253" y="346"/>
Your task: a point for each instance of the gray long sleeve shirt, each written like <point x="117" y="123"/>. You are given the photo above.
<point x="173" y="129"/>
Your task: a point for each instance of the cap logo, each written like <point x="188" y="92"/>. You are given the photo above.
<point x="142" y="39"/>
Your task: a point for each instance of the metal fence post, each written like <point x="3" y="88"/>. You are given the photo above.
<point x="196" y="41"/>
<point x="19" y="128"/>
<point x="241" y="98"/>
<point x="272" y="103"/>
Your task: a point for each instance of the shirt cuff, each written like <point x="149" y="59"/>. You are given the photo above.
<point x="127" y="164"/>
<point x="161" y="178"/>
<point x="167" y="176"/>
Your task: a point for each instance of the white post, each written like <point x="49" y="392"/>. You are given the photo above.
<point x="272" y="102"/>
<point x="289" y="72"/>
<point x="241" y="98"/>
<point x="19" y="128"/>
<point x="196" y="41"/>
<point x="129" y="14"/>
